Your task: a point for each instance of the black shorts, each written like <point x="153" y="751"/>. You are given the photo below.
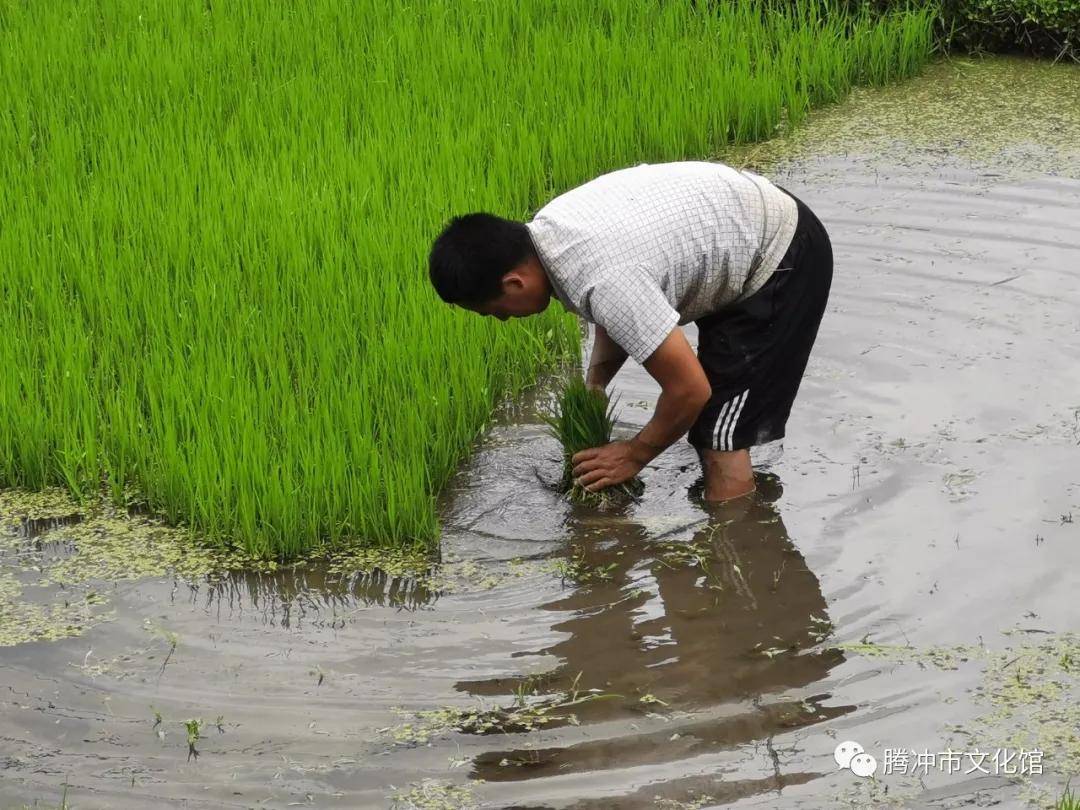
<point x="754" y="351"/>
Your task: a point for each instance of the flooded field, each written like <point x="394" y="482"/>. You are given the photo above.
<point x="905" y="577"/>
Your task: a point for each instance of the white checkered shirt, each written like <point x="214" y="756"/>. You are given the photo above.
<point x="642" y="249"/>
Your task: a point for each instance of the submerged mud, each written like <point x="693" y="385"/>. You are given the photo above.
<point x="903" y="577"/>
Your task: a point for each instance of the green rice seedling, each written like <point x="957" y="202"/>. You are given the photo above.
<point x="582" y="418"/>
<point x="194" y="734"/>
<point x="1068" y="801"/>
<point x="215" y="223"/>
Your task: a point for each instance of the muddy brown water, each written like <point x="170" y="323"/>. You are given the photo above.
<point x="915" y="525"/>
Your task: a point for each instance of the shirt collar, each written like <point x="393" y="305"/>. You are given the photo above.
<point x="556" y="289"/>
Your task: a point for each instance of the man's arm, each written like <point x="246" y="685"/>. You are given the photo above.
<point x="605" y="361"/>
<point x="685" y="390"/>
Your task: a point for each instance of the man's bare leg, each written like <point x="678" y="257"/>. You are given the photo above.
<point x="728" y="474"/>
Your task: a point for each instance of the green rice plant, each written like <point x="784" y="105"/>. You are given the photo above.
<point x="214" y="221"/>
<point x="582" y="418"/>
<point x="194" y="734"/>
<point x="1068" y="801"/>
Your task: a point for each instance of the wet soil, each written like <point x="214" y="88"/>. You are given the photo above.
<point x="904" y="577"/>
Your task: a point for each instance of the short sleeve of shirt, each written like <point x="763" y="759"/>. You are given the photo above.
<point x="633" y="310"/>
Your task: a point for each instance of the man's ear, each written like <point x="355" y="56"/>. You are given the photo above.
<point x="513" y="282"/>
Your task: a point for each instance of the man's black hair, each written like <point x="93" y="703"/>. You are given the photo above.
<point x="473" y="253"/>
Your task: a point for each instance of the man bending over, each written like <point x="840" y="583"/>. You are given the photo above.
<point x="638" y="252"/>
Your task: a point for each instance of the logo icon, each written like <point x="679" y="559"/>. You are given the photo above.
<point x="851" y="756"/>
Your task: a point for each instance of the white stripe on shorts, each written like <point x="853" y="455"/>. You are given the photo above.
<point x="734" y="419"/>
<point x="725" y="422"/>
<point x="720" y="421"/>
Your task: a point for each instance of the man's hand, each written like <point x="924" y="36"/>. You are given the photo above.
<point x="684" y="391"/>
<point x="606" y="466"/>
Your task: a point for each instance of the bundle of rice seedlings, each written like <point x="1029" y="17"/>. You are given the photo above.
<point x="584" y="418"/>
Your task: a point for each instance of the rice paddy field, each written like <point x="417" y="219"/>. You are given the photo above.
<point x="214" y="220"/>
<point x="899" y="583"/>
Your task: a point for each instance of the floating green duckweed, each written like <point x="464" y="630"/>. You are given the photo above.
<point x="17" y="506"/>
<point x="526" y="713"/>
<point x="1029" y="693"/>
<point x="56" y="555"/>
<point x="576" y="567"/>
<point x="960" y="109"/>
<point x="697" y="803"/>
<point x="99" y="542"/>
<point x="447" y="576"/>
<point x="1032" y="693"/>
<point x="51" y="582"/>
<point x="942" y="657"/>
<point x="435" y="794"/>
<point x="428" y="723"/>
<point x="68" y="615"/>
<point x="412" y="563"/>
